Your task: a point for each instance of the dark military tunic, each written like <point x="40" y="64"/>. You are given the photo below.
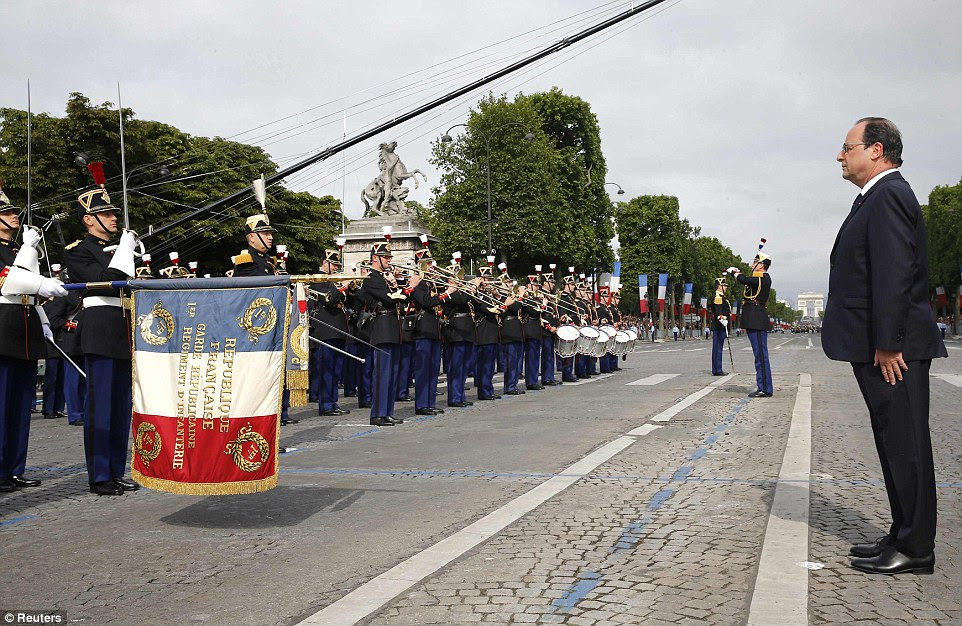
<point x="511" y="329"/>
<point x="384" y="325"/>
<point x="754" y="313"/>
<point x="329" y="309"/>
<point x="254" y="263"/>
<point x="102" y="330"/>
<point x="719" y="306"/>
<point x="460" y="321"/>
<point x="425" y="299"/>
<point x="20" y="326"/>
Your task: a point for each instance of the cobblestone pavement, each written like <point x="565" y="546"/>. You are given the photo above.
<point x="669" y="530"/>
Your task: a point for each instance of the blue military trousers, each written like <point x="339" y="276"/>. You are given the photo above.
<point x="532" y="362"/>
<point x="18" y="384"/>
<point x="763" y="370"/>
<point x="484" y="377"/>
<point x="717" y="351"/>
<point x="547" y="358"/>
<point x="53" y="396"/>
<point x="107" y="425"/>
<point x="459" y="355"/>
<point x="427" y="362"/>
<point x="385" y="379"/>
<point x="330" y="363"/>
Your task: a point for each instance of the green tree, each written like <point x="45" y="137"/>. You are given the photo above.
<point x="200" y="170"/>
<point x="548" y="198"/>
<point x="943" y="221"/>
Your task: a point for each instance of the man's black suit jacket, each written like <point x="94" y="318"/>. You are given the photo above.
<point x="878" y="293"/>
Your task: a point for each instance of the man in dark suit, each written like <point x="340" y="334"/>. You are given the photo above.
<point x="878" y="318"/>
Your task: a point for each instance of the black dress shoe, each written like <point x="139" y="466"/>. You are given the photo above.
<point x="569" y="380"/>
<point x="719" y="373"/>
<point x="22" y="482"/>
<point x="552" y="383"/>
<point x="437" y="410"/>
<point x="77" y="423"/>
<point x="891" y="561"/>
<point x="514" y="392"/>
<point x="350" y="395"/>
<point x="868" y="550"/>
<point x="460" y="405"/>
<point x="425" y="411"/>
<point x="405" y="399"/>
<point x="759" y="394"/>
<point x="286" y="421"/>
<point x="535" y="388"/>
<point x="60" y="414"/>
<point x="363" y="405"/>
<point x="336" y="411"/>
<point x="126" y="485"/>
<point x="397" y="420"/>
<point x="382" y="421"/>
<point x="106" y="488"/>
<point x="7" y="486"/>
<point x="50" y="416"/>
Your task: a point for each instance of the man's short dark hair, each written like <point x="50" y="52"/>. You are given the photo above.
<point x="881" y="130"/>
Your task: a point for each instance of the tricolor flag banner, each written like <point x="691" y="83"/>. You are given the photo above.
<point x="662" y="286"/>
<point x="704" y="307"/>
<point x="615" y="284"/>
<point x="298" y="353"/>
<point x="208" y="369"/>
<point x="737" y="311"/>
<point x="686" y="303"/>
<point x="643" y="292"/>
<point x="940" y="296"/>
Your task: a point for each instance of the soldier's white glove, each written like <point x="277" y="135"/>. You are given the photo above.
<point x="124" y="254"/>
<point x="733" y="270"/>
<point x="723" y="322"/>
<point x="47" y="332"/>
<point x="27" y="257"/>
<point x="51" y="288"/>
<point x="31" y="236"/>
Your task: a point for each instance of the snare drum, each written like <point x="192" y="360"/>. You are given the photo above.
<point x="622" y="343"/>
<point x="632" y="339"/>
<point x="567" y="343"/>
<point x="610" y="344"/>
<point x="598" y="350"/>
<point x="587" y="340"/>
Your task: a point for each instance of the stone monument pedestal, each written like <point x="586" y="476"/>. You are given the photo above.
<point x="362" y="233"/>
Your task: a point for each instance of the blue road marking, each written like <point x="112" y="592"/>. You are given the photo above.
<point x="578" y="591"/>
<point x="16" y="520"/>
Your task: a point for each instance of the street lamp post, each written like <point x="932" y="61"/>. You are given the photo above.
<point x="529" y="136"/>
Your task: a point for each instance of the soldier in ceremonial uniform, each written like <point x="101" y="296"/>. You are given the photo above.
<point x="551" y="321"/>
<point x="512" y="339"/>
<point x="755" y="319"/>
<point x="616" y="321"/>
<point x="488" y="328"/>
<point x="257" y="260"/>
<point x="459" y="334"/>
<point x="570" y="314"/>
<point x="603" y="312"/>
<point x="533" y="333"/>
<point x="104" y="329"/>
<point x="62" y="313"/>
<point x="54" y="401"/>
<point x="326" y="362"/>
<point x="427" y="335"/>
<point x="24" y="327"/>
<point x="720" y="312"/>
<point x="383" y="300"/>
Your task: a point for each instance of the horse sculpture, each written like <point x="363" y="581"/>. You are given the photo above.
<point x="386" y="191"/>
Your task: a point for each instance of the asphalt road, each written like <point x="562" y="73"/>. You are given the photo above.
<point x="594" y="503"/>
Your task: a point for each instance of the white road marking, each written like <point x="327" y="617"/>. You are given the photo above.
<point x="380" y="590"/>
<point x="654" y="379"/>
<point x="781" y="585"/>
<point x="686" y="402"/>
<point x="809" y="346"/>
<point x="952" y="379"/>
<point x="594" y="378"/>
<point x="694" y="350"/>
<point x="784" y="342"/>
<point x="953" y="347"/>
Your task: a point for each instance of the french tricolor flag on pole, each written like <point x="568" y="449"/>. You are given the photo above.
<point x="615" y="283"/>
<point x="643" y="292"/>
<point x="662" y="287"/>
<point x="686" y="303"/>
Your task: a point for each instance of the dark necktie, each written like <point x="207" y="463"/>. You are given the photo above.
<point x="858" y="201"/>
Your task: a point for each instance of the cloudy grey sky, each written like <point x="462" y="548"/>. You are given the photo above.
<point x="738" y="107"/>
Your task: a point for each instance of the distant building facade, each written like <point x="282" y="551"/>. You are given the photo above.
<point x="810" y="304"/>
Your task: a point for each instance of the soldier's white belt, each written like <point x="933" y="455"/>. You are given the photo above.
<point x="18" y="300"/>
<point x="91" y="301"/>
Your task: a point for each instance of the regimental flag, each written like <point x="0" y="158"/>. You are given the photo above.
<point x="662" y="286"/>
<point x="704" y="307"/>
<point x="940" y="297"/>
<point x="208" y="369"/>
<point x="686" y="303"/>
<point x="643" y="292"/>
<point x="298" y="353"/>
